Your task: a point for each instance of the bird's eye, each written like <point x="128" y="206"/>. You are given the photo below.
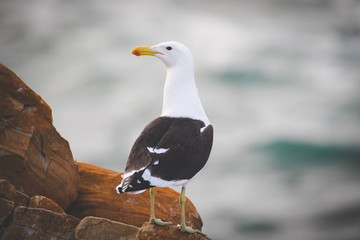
<point x="169" y="48"/>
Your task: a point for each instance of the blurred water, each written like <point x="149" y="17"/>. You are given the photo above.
<point x="279" y="80"/>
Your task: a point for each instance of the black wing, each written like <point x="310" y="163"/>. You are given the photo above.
<point x="170" y="149"/>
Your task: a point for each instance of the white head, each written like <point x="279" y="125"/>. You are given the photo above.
<point x="180" y="93"/>
<point x="171" y="53"/>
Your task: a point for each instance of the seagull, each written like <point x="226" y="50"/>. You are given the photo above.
<point x="174" y="147"/>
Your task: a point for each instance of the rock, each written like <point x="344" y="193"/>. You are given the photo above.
<point x="103" y="229"/>
<point x="34" y="224"/>
<point x="170" y="232"/>
<point x="45" y="203"/>
<point x="6" y="208"/>
<point x="33" y="155"/>
<point x="97" y="197"/>
<point x="8" y="191"/>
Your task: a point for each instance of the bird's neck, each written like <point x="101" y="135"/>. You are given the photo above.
<point x="181" y="97"/>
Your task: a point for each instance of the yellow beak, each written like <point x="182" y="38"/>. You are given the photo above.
<point x="139" y="51"/>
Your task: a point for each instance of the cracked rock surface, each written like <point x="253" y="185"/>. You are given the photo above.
<point x="36" y="223"/>
<point x="33" y="155"/>
<point x="101" y="228"/>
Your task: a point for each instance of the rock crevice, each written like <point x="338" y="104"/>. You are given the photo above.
<point x="33" y="155"/>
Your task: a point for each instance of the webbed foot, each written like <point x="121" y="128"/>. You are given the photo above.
<point x="187" y="229"/>
<point x="159" y="222"/>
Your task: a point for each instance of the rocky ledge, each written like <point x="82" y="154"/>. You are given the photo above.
<point x="45" y="194"/>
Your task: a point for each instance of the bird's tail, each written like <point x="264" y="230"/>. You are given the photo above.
<point x="133" y="184"/>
